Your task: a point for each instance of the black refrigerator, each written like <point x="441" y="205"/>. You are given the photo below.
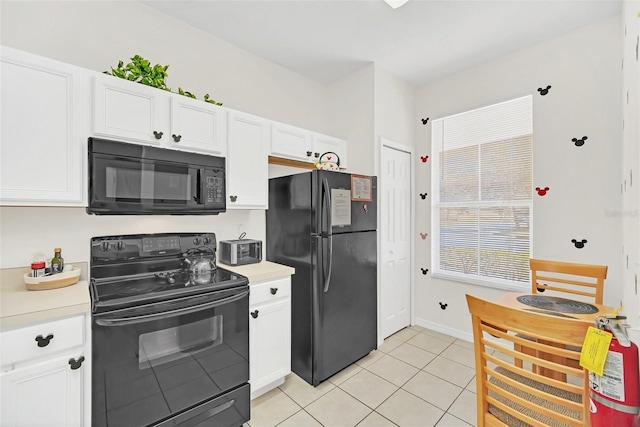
<point x="323" y="223"/>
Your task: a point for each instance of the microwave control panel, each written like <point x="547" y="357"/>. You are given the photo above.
<point x="214" y="186"/>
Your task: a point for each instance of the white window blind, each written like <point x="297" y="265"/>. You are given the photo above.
<point x="482" y="189"/>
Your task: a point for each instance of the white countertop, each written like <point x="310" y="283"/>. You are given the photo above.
<point x="260" y="272"/>
<point x="20" y="306"/>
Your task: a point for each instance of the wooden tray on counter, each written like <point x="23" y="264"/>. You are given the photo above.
<point x="54" y="281"/>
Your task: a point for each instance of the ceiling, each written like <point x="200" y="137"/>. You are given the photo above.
<point x="420" y="42"/>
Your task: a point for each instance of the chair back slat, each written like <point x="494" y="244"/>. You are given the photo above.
<point x="568" y="278"/>
<point x="517" y="396"/>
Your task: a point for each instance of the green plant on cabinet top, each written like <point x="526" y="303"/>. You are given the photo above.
<point x="140" y="70"/>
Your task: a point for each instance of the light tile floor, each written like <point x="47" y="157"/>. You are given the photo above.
<point x="417" y="378"/>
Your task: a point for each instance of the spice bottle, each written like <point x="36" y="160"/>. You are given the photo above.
<point x="57" y="262"/>
<point x="38" y="268"/>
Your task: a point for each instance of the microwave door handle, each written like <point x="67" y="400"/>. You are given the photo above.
<point x="168" y="314"/>
<point x="198" y="196"/>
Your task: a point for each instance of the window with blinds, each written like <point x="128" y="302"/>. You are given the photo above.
<point x="482" y="195"/>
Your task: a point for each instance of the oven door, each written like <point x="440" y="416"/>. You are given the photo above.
<point x="126" y="185"/>
<point x="181" y="362"/>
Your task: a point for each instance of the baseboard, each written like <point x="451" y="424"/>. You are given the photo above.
<point x="444" y="329"/>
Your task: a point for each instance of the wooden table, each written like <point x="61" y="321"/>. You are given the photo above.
<point x="510" y="299"/>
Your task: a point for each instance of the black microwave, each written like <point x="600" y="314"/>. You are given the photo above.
<point x="132" y="179"/>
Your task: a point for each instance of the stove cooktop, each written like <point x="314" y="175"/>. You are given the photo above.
<point x="112" y="294"/>
<point x="133" y="270"/>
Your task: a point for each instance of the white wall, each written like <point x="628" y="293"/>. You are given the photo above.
<point x="95" y="35"/>
<point x="630" y="213"/>
<point x="583" y="68"/>
<point x="395" y="117"/>
<point x="351" y="115"/>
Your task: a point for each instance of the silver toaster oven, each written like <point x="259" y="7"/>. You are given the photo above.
<point x="240" y="251"/>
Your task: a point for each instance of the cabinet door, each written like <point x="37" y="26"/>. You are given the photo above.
<point x="49" y="393"/>
<point x="42" y="132"/>
<point x="270" y="343"/>
<point x="197" y="125"/>
<point x="130" y="111"/>
<point x="291" y="142"/>
<point x="247" y="161"/>
<point x="328" y="144"/>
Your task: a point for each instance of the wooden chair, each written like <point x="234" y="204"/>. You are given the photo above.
<point x="584" y="282"/>
<point x="509" y="395"/>
<point x="568" y="280"/>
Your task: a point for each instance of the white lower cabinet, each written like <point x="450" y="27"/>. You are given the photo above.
<point x="46" y="379"/>
<point x="269" y="334"/>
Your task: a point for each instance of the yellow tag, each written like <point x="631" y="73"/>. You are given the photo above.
<point x="595" y="349"/>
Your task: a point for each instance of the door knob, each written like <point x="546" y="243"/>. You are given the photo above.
<point x="254" y="314"/>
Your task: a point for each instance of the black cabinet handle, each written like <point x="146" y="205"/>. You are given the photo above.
<point x="316" y="155"/>
<point x="43" y="342"/>
<point x="308" y="153"/>
<point x="273" y="291"/>
<point x="176" y="138"/>
<point x="254" y="314"/>
<point x="76" y="363"/>
<point x="233" y="198"/>
<point x="158" y="135"/>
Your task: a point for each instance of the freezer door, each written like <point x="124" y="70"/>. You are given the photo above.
<point x="342" y="203"/>
<point x="344" y="301"/>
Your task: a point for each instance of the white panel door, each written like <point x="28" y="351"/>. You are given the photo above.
<point x="395" y="208"/>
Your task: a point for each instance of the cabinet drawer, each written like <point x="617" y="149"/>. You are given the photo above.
<point x="269" y="291"/>
<point x="20" y="345"/>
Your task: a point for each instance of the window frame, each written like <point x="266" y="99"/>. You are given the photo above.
<point x="437" y="205"/>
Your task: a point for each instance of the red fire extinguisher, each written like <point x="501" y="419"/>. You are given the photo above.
<point x="615" y="396"/>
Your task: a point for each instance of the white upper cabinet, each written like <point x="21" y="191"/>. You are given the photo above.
<point x="134" y="112"/>
<point x="247" y="161"/>
<point x="42" y="134"/>
<point x="123" y="109"/>
<point x="328" y="144"/>
<point x="291" y="142"/>
<point x="197" y="125"/>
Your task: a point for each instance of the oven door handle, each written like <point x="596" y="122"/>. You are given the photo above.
<point x="123" y="321"/>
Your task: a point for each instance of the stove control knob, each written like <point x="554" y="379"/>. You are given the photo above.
<point x="120" y="245"/>
<point x="104" y="246"/>
<point x="206" y="240"/>
<point x="197" y="241"/>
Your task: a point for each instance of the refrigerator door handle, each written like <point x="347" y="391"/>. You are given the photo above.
<point x="326" y="206"/>
<point x="327" y="277"/>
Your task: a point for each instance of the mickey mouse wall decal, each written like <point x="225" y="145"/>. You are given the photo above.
<point x="443" y="306"/>
<point x="542" y="191"/>
<point x="423" y="195"/>
<point x="424" y="159"/>
<point x="424" y="121"/>
<point x="579" y="142"/>
<point x="579" y="243"/>
<point x="424" y="235"/>
<point x="424" y="270"/>
<point x="545" y="91"/>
